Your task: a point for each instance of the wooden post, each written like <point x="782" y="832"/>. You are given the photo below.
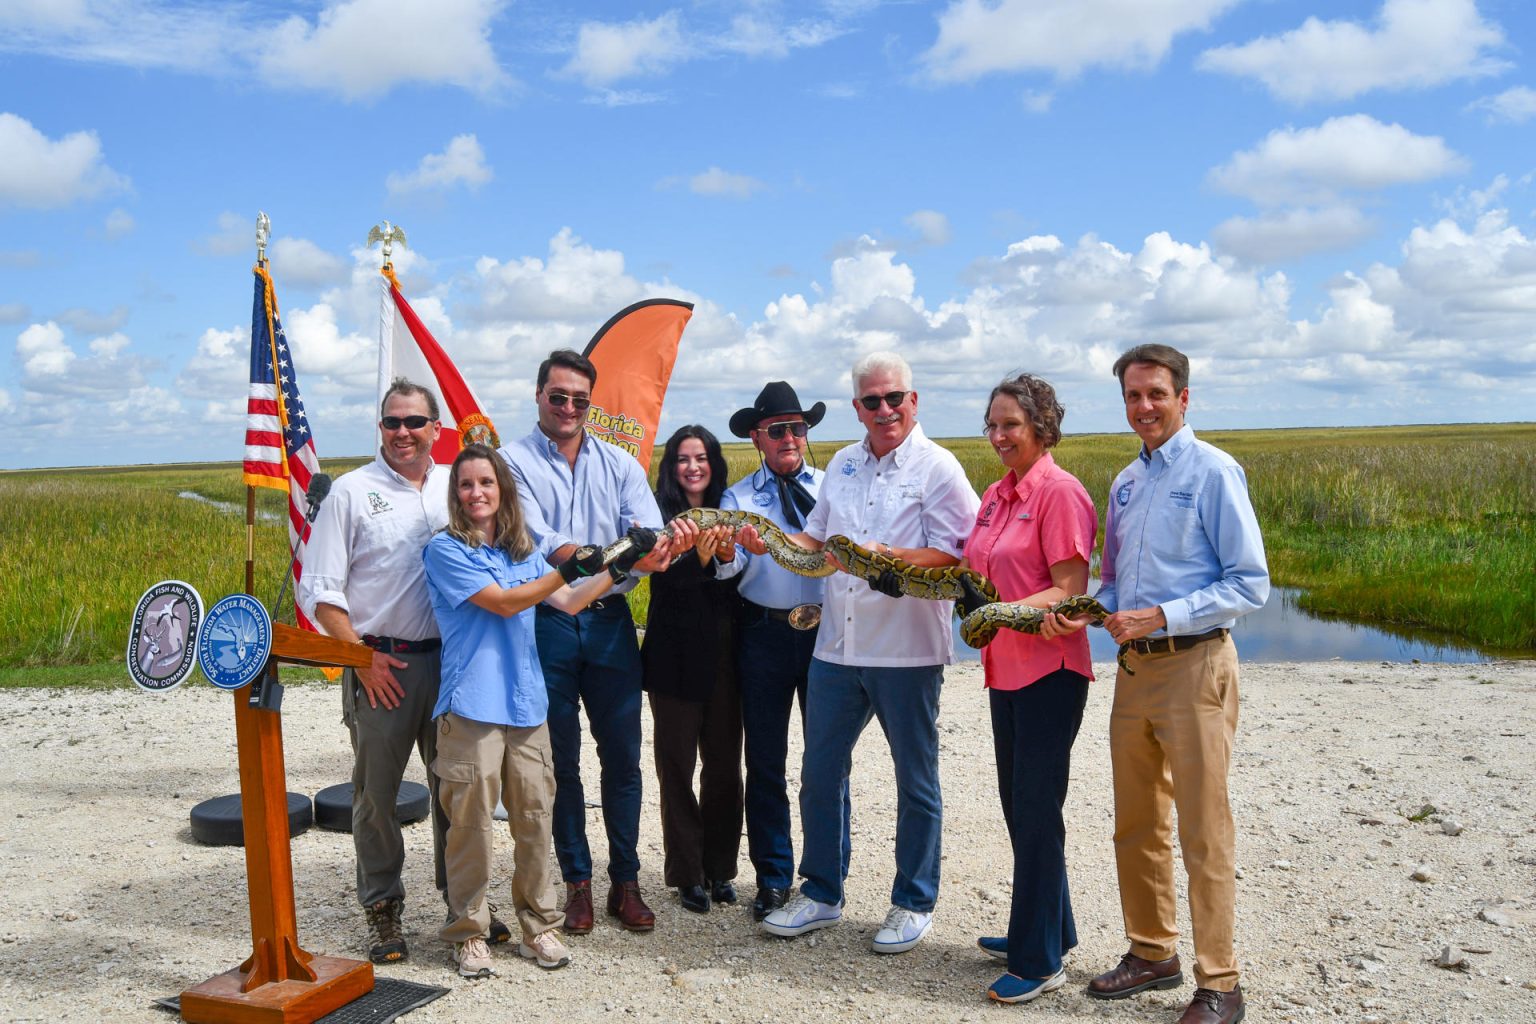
<point x="280" y="983"/>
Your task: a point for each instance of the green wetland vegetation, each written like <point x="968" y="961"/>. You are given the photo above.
<point x="1425" y="527"/>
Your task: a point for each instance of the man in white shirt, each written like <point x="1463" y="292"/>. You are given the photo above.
<point x="898" y="493"/>
<point x="364" y="582"/>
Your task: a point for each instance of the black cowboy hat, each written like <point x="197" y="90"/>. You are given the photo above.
<point x="776" y="398"/>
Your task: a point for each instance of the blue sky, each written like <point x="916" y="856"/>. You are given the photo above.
<point x="1328" y="206"/>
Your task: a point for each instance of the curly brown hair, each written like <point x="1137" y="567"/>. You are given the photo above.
<point x="1038" y="400"/>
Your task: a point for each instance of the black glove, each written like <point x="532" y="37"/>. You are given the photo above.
<point x="587" y="561"/>
<point x="641" y="541"/>
<point x="887" y="583"/>
<point x="971" y="598"/>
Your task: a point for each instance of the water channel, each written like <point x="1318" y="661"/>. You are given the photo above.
<point x="1281" y="631"/>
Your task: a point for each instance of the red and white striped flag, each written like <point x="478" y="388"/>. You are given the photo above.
<point x="407" y="349"/>
<point x="279" y="449"/>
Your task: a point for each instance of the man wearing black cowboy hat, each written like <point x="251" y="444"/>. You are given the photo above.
<point x="778" y="632"/>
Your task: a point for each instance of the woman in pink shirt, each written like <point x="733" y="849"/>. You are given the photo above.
<point x="1032" y="539"/>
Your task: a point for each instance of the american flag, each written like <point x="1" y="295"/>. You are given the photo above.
<point x="279" y="449"/>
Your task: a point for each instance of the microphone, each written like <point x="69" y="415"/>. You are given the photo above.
<point x="319" y="487"/>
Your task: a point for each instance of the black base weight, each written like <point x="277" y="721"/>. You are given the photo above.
<point x="217" y="822"/>
<point x="333" y="805"/>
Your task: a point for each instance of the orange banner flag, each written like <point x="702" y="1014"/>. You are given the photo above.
<point x="634" y="353"/>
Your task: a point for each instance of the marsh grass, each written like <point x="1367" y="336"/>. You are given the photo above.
<point x="1432" y="527"/>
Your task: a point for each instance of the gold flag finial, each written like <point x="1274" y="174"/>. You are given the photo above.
<point x="388" y="234"/>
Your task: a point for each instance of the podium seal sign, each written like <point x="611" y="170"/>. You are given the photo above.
<point x="162" y="644"/>
<point x="235" y="642"/>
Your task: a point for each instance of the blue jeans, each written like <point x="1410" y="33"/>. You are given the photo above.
<point x="773" y="665"/>
<point x="593" y="659"/>
<point x="842" y="699"/>
<point x="1032" y="732"/>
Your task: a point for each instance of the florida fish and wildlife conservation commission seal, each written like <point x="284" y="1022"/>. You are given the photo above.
<point x="235" y="642"/>
<point x="162" y="643"/>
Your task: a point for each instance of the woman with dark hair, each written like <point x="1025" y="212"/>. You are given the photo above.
<point x="1033" y="538"/>
<point x="690" y="672"/>
<point x="484" y="578"/>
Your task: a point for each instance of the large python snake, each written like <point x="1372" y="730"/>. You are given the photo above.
<point x="932" y="584"/>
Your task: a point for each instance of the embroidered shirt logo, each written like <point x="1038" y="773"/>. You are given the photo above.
<point x="377" y="504"/>
<point x="1123" y="495"/>
<point x="850" y="467"/>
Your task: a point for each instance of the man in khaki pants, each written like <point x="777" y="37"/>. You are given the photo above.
<point x="1183" y="561"/>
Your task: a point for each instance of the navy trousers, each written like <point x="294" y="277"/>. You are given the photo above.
<point x="1033" y="730"/>
<point x="592" y="659"/>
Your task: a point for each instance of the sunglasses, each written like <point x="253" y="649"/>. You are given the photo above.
<point x="559" y="398"/>
<point x="890" y="398"/>
<point x="408" y="422"/>
<point x="776" y="431"/>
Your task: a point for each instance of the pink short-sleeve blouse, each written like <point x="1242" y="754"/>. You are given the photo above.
<point x="1025" y="527"/>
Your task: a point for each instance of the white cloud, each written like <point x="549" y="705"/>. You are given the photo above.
<point x="1280" y="235"/>
<point x="623" y="97"/>
<point x="14" y="312"/>
<point x="1415" y="44"/>
<point x="1037" y="101"/>
<point x="757" y="35"/>
<point x="608" y="52"/>
<point x="42" y="352"/>
<point x="461" y="163"/>
<point x="88" y="321"/>
<point x="1515" y="106"/>
<point x="718" y="182"/>
<point x="102" y="393"/>
<point x="932" y="227"/>
<point x="119" y="224"/>
<point x="43" y="173"/>
<point x="298" y="261"/>
<point x="1351" y="153"/>
<point x="148" y="34"/>
<point x="361" y="49"/>
<point x="977" y="37"/>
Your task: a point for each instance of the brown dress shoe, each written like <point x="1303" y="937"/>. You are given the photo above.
<point x="1133" y="974"/>
<point x="1212" y="1007"/>
<point x="625" y="903"/>
<point x="578" y="907"/>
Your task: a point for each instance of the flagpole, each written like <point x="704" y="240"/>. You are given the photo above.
<point x="263" y="232"/>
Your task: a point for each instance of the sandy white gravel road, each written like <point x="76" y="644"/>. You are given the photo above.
<point x="107" y="903"/>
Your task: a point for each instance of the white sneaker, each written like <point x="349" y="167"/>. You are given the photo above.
<point x="903" y="929"/>
<point x="473" y="957"/>
<point x="800" y="915"/>
<point x="546" y="950"/>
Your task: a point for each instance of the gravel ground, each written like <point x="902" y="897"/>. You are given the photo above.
<point x="1344" y="903"/>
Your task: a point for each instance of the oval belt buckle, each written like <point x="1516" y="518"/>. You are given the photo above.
<point x="804" y="616"/>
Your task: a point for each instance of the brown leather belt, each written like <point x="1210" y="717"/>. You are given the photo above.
<point x="390" y="645"/>
<point x="1167" y="644"/>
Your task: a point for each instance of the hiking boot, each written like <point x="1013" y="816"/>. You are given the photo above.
<point x="386" y="941"/>
<point x="473" y="958"/>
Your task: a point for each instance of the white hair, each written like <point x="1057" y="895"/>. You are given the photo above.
<point x="875" y="362"/>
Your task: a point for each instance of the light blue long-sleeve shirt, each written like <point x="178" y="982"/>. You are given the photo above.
<point x="764" y="581"/>
<point x="1181" y="534"/>
<point x="596" y="503"/>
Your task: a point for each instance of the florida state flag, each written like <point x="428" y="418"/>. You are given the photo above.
<point x="407" y="349"/>
<point x="634" y="353"/>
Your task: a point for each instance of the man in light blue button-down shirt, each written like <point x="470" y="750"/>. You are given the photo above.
<point x="578" y="490"/>
<point x="1183" y="560"/>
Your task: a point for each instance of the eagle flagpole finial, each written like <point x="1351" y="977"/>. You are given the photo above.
<point x="263" y="232"/>
<point x="388" y="234"/>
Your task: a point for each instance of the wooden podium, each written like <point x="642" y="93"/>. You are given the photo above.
<point x="281" y="983"/>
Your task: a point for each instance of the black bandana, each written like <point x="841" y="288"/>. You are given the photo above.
<point x="796" y="501"/>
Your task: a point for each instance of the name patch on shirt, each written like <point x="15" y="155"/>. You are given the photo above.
<point x="377" y="504"/>
<point x="912" y="492"/>
<point x="1123" y="495"/>
<point x="1183" y="499"/>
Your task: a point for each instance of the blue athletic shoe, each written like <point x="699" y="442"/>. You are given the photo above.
<point x="1013" y="989"/>
<point x="995" y="946"/>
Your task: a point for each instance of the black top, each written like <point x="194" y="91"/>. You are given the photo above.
<point x="690" y="631"/>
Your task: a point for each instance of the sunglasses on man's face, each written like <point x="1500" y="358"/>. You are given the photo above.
<point x="890" y="398"/>
<point x="559" y="398"/>
<point x="775" y="431"/>
<point x="408" y="422"/>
